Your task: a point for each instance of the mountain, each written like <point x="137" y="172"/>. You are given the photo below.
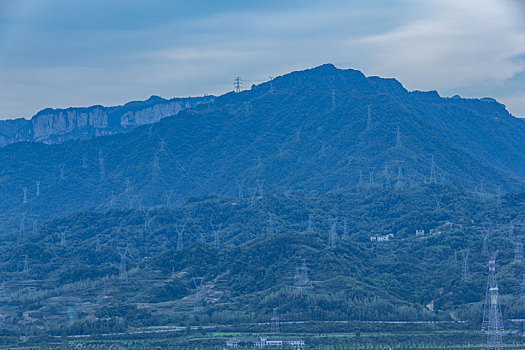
<point x="308" y="130"/>
<point x="59" y="125"/>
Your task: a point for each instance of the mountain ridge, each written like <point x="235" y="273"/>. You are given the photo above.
<point x="56" y="125"/>
<point x="307" y="130"/>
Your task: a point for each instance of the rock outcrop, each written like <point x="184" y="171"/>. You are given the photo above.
<point x="59" y="125"/>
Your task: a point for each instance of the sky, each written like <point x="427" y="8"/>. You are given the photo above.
<point x="62" y="53"/>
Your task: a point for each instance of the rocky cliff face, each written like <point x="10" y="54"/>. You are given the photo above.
<point x="59" y="125"/>
<point x="155" y="113"/>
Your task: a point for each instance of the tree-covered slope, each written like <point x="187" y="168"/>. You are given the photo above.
<point x="107" y="271"/>
<point x="306" y="130"/>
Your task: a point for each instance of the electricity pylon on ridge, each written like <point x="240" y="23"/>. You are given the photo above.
<point x="237" y="84"/>
<point x="518" y="251"/>
<point x="26" y="264"/>
<point x="433" y="177"/>
<point x="369" y="118"/>
<point x="399" y="183"/>
<point x="437" y="198"/>
<point x="492" y="319"/>
<point x="123" y="271"/>
<point x="180" y="231"/>
<point x="275" y="327"/>
<point x="240" y="187"/>
<point x="270" y="227"/>
<point x="522" y="291"/>
<point x="499" y="205"/>
<point x="198" y="302"/>
<point x="302" y="283"/>
<point x="332" y="237"/>
<point x="465" y="274"/>
<point x="102" y="168"/>
<point x="310" y="227"/>
<point x="62" y="230"/>
<point x="216" y="235"/>
<point x="398" y="138"/>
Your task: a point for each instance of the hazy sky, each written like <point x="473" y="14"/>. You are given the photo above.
<point x="60" y="53"/>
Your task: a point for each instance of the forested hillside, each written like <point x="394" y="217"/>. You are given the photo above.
<point x="108" y="271"/>
<point x="309" y="131"/>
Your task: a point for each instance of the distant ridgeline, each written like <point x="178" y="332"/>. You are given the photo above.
<point x="59" y="125"/>
<point x="323" y="129"/>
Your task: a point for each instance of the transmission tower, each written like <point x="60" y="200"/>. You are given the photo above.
<point x="26" y="264"/>
<point x="398" y="137"/>
<point x="302" y="282"/>
<point x="310" y="227"/>
<point x="345" y="228"/>
<point x="518" y="251"/>
<point x="270" y="227"/>
<point x="128" y="192"/>
<point x="492" y="320"/>
<point x="97" y="245"/>
<point x="522" y="291"/>
<point x="180" y="231"/>
<point x="38" y="188"/>
<point x="34" y="220"/>
<point x="162" y="146"/>
<point x="433" y="177"/>
<point x="333" y="99"/>
<point x="275" y="329"/>
<point x="155" y="166"/>
<point x="240" y="187"/>
<point x="332" y="238"/>
<point x="216" y="235"/>
<point x="146" y="220"/>
<point x="61" y="168"/>
<point x="102" y="169"/>
<point x="465" y="275"/>
<point x="437" y="199"/>
<point x="25" y="195"/>
<point x="399" y="183"/>
<point x="168" y="194"/>
<point x="84" y="162"/>
<point x="371" y="177"/>
<point x="260" y="187"/>
<point x="123" y="271"/>
<point x="22" y="227"/>
<point x="198" y="302"/>
<point x="482" y="194"/>
<point x="237" y="84"/>
<point x="511" y="230"/>
<point x="369" y="119"/>
<point x="484" y="247"/>
<point x="387" y="175"/>
<point x="498" y="199"/>
<point x="486" y="234"/>
<point x="271" y="85"/>
<point x="62" y="230"/>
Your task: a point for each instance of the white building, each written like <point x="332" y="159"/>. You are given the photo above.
<point x="262" y="342"/>
<point x="381" y="238"/>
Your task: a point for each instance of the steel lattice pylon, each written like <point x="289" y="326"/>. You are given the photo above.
<point x="492" y="320"/>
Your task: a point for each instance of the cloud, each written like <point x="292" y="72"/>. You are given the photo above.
<point x="458" y="44"/>
<point x="467" y="47"/>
